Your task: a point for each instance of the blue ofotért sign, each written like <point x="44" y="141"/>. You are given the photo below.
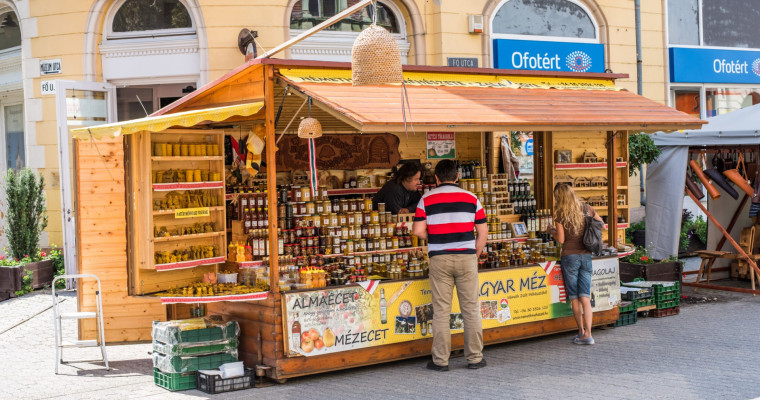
<point x="548" y="56"/>
<point x="714" y="65"/>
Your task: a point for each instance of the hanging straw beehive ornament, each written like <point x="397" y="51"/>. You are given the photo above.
<point x="376" y="60"/>
<point x="375" y="57"/>
<point x="310" y="128"/>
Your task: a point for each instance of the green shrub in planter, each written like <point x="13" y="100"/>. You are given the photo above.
<point x="26" y="215"/>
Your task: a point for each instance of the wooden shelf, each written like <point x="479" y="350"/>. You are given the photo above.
<point x="187" y="158"/>
<point x="585" y="189"/>
<point x="343" y="192"/>
<point x="190" y="264"/>
<point x="213" y="299"/>
<point x="166" y="187"/>
<point x="519" y="240"/>
<point x="363" y="253"/>
<point x="607" y="207"/>
<point x="171" y="212"/>
<point x="188" y="237"/>
<point x="619" y="226"/>
<point x="588" y="165"/>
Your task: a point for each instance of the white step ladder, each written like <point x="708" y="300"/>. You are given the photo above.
<point x="59" y="316"/>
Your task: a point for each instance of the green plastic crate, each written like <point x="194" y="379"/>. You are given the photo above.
<point x="667" y="296"/>
<point x="668" y="304"/>
<point x="628" y="318"/>
<point x="174" y="364"/>
<point x="662" y="289"/>
<point x="164" y="332"/>
<point x="644" y="302"/>
<point x="174" y="382"/>
<point x="193" y="349"/>
<point x="627" y="306"/>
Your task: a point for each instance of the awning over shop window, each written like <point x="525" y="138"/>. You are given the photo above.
<point x="163" y="122"/>
<point x="484" y="102"/>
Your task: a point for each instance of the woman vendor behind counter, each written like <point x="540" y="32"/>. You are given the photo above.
<point x="400" y="193"/>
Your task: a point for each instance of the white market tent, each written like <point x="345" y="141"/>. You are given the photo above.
<point x="665" y="178"/>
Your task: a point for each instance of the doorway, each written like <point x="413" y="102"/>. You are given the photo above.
<point x="78" y="104"/>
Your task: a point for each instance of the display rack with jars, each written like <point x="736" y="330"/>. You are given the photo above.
<point x="188" y="199"/>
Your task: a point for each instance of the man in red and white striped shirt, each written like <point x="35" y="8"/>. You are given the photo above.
<point x="447" y="217"/>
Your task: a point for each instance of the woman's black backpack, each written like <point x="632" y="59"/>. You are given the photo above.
<point x="592" y="232"/>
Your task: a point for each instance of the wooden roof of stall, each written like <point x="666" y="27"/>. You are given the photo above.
<point x="440" y="98"/>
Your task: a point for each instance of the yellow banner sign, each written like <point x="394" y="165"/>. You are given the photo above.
<point x="334" y="320"/>
<point x="343" y="76"/>
<point x="191" y="212"/>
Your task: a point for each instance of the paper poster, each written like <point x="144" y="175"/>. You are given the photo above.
<point x="441" y="145"/>
<point x="338" y="319"/>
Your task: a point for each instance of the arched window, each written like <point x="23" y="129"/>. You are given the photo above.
<point x="10" y="33"/>
<point x="309" y="13"/>
<point x="551" y="18"/>
<point x="335" y="42"/>
<point x="136" y="18"/>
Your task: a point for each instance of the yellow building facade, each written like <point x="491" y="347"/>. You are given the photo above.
<point x="85" y="62"/>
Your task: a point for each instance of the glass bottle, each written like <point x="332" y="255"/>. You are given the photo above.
<point x="383" y="308"/>
<point x="295" y="333"/>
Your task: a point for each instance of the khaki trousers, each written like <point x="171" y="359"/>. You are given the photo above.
<point x="460" y="271"/>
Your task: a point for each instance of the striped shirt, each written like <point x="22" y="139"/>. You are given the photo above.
<point x="451" y="214"/>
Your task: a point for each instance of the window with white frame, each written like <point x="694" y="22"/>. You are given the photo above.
<point x="150" y="18"/>
<point x="335" y="42"/>
<point x="565" y="19"/>
<point x="15" y="154"/>
<point x="308" y="13"/>
<point x="10" y="33"/>
<point x="148" y="42"/>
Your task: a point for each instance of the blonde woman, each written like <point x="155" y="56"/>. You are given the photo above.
<point x="569" y="223"/>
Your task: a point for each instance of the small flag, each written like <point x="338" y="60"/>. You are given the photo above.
<point x="370" y="285"/>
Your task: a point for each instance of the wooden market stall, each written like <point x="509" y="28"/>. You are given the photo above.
<point x="297" y="332"/>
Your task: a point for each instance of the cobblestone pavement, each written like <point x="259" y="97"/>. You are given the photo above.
<point x="706" y="352"/>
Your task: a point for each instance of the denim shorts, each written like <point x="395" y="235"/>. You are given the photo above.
<point x="576" y="271"/>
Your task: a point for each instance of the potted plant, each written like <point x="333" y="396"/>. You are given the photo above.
<point x="636" y="233"/>
<point x="693" y="233"/>
<point x="25" y="266"/>
<point x="641" y="150"/>
<point x="640" y="264"/>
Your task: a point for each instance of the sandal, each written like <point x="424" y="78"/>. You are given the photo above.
<point x="588" y="341"/>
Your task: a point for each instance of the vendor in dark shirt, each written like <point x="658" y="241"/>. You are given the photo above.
<point x="400" y="193"/>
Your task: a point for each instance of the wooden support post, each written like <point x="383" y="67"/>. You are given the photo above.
<point x="612" y="183"/>
<point x="271" y="149"/>
<point x="733" y="222"/>
<point x="738" y="248"/>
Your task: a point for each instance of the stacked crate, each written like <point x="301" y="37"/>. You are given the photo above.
<point x="665" y="295"/>
<point x="181" y="348"/>
<point x="628" y="315"/>
<point x="633" y="300"/>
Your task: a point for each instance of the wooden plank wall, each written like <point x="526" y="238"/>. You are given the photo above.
<point x="102" y="244"/>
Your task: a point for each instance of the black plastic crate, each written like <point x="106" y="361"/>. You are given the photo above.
<point x="642" y="293"/>
<point x="213" y="384"/>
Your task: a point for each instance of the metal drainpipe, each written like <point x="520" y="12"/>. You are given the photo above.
<point x="639" y="84"/>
